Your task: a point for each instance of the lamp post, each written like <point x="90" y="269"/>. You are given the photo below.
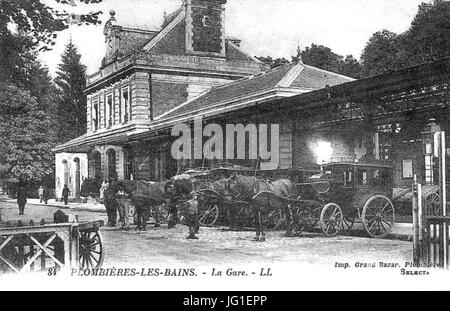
<point x="430" y="140"/>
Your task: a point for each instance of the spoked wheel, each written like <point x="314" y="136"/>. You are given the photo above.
<point x="275" y="219"/>
<point x="309" y="218"/>
<point x="91" y="250"/>
<point x="297" y="222"/>
<point x="331" y="219"/>
<point x="432" y="204"/>
<point x="378" y="216"/>
<point x="243" y="215"/>
<point x="208" y="214"/>
<point x="348" y="221"/>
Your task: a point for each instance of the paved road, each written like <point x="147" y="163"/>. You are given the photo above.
<point x="217" y="245"/>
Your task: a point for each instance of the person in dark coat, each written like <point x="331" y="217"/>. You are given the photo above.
<point x="65" y="194"/>
<point x="21" y="199"/>
<point x="192" y="217"/>
<point x="46" y="195"/>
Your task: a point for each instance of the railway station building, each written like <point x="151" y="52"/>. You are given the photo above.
<point x="151" y="81"/>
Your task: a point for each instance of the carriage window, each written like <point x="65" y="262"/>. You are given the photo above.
<point x="362" y="177"/>
<point x="407" y="168"/>
<point x="348" y="178"/>
<point x="377" y="178"/>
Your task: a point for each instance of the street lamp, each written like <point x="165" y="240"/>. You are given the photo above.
<point x="430" y="140"/>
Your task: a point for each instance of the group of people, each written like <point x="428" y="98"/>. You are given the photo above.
<point x="43" y="193"/>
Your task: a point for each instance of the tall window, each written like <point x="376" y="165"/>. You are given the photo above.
<point x="119" y="106"/>
<point x="97" y="165"/>
<point x="95" y="116"/>
<point x="109" y="110"/>
<point x="111" y="163"/>
<point x="66" y="172"/>
<point x="126" y="104"/>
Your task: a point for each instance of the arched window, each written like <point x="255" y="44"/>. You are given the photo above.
<point x="97" y="165"/>
<point x="111" y="154"/>
<point x="66" y="172"/>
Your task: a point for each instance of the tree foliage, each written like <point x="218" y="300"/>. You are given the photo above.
<point x="25" y="146"/>
<point x="427" y="39"/>
<point x="273" y="62"/>
<point x="381" y="54"/>
<point x="27" y="93"/>
<point x="40" y="21"/>
<point x="321" y="57"/>
<point x="70" y="110"/>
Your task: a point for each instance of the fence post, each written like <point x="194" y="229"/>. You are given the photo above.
<point x="443" y="192"/>
<point x="415" y="202"/>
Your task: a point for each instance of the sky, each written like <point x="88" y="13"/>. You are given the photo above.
<point x="267" y="27"/>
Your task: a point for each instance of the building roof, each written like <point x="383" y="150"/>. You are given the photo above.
<point x="298" y="77"/>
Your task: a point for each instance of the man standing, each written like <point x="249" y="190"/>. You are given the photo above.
<point x="41" y="193"/>
<point x="124" y="204"/>
<point x="192" y="218"/>
<point x="46" y="195"/>
<point x="21" y="199"/>
<point x="65" y="194"/>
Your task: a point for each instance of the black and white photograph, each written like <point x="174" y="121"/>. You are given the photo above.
<point x="224" y="145"/>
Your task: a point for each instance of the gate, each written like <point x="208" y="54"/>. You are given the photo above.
<point x="431" y="230"/>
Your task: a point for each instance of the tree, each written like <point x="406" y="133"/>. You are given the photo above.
<point x="322" y="57"/>
<point x="428" y="38"/>
<point x="39" y="20"/>
<point x="351" y="67"/>
<point x="273" y="63"/>
<point x="381" y="54"/>
<point x="25" y="147"/>
<point x="70" y="112"/>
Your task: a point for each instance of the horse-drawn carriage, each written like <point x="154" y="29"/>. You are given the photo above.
<point x="344" y="192"/>
<point x="333" y="198"/>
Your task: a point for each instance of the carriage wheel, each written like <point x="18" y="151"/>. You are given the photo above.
<point x="378" y="216"/>
<point x="242" y="214"/>
<point x="432" y="204"/>
<point x="310" y="219"/>
<point x="348" y="221"/>
<point x="91" y="250"/>
<point x="297" y="222"/>
<point x="331" y="219"/>
<point x="208" y="214"/>
<point x="275" y="219"/>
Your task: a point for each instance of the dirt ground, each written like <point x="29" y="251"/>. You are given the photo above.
<point x="219" y="245"/>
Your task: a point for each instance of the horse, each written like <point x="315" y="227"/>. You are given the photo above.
<point x="147" y="196"/>
<point x="257" y="192"/>
<point x="90" y="187"/>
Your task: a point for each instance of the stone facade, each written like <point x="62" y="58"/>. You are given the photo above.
<point x="144" y="75"/>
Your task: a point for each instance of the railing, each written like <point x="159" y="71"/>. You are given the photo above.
<point x="431" y="222"/>
<point x="436" y="243"/>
